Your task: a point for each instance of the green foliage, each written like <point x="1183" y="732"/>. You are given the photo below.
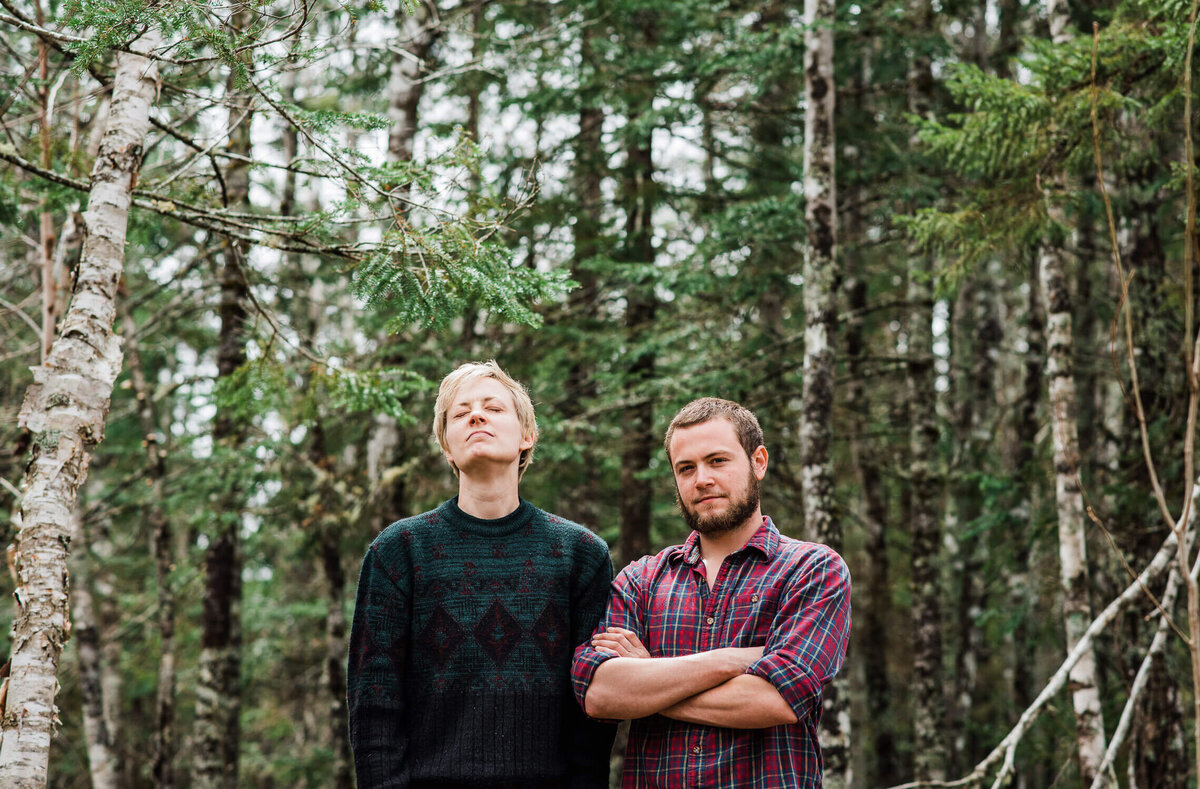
<point x="431" y="284"/>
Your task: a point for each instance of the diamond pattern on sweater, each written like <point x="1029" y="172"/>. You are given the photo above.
<point x="550" y="632"/>
<point x="498" y="632"/>
<point x="440" y="637"/>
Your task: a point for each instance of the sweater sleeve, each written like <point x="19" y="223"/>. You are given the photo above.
<point x="589" y="742"/>
<point x="375" y="678"/>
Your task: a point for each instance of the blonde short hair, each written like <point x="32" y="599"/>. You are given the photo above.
<point x="469" y="373"/>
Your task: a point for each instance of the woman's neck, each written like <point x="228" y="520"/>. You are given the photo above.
<point x="490" y="498"/>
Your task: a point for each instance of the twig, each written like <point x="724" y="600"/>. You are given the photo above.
<point x="1005" y="751"/>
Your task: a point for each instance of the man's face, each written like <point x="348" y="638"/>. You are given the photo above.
<point x="482" y="426"/>
<point x="716" y="484"/>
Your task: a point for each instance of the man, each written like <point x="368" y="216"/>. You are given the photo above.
<point x="718" y="648"/>
<point x="467" y="617"/>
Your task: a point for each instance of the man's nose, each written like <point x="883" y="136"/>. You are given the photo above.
<point x="703" y="477"/>
<point x="477" y="415"/>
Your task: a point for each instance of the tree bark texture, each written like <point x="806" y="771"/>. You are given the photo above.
<point x="820" y="320"/>
<point x="162" y="769"/>
<point x="218" y="692"/>
<point x="871" y="635"/>
<point x="65" y="409"/>
<point x="929" y="704"/>
<point x="977" y="338"/>
<point x="102" y="759"/>
<point x="930" y="701"/>
<point x="1072" y="542"/>
<point x="637" y="423"/>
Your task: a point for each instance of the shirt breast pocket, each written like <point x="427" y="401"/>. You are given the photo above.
<point x="750" y="614"/>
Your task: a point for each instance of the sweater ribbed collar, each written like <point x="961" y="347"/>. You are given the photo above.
<point x="489" y="527"/>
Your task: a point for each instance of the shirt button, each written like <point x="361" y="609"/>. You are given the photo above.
<point x="754" y="598"/>
<point x="695" y="749"/>
<point x="711" y="620"/>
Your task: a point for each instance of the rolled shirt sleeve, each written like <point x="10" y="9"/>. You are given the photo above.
<point x="807" y="645"/>
<point x="624" y="610"/>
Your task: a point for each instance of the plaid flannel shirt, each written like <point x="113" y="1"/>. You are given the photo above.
<point x="791" y="596"/>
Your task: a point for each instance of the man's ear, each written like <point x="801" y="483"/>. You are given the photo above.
<point x="758" y="462"/>
<point x="527" y="441"/>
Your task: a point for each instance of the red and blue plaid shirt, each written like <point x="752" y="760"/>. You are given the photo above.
<point x="791" y="596"/>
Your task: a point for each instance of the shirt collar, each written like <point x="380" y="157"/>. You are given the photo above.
<point x="765" y="541"/>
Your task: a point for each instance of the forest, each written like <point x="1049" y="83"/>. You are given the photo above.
<point x="944" y="249"/>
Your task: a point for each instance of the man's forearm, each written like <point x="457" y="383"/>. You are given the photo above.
<point x="623" y="688"/>
<point x="744" y="702"/>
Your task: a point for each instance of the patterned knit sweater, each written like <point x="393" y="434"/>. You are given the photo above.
<point x="460" y="653"/>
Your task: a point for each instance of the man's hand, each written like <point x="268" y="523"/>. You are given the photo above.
<point x="633" y="684"/>
<point x="620" y="642"/>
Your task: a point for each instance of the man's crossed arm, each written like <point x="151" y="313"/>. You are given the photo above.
<point x="710" y="688"/>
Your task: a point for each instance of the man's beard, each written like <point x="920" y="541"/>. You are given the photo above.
<point x="735" y="515"/>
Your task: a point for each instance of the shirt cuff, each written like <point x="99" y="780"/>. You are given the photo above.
<point x="587" y="660"/>
<point x="799" y="688"/>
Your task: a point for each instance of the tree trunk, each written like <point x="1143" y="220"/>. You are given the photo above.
<point x="820" y="316"/>
<point x="65" y="409"/>
<point x="102" y="760"/>
<point x="418" y="33"/>
<point x="1072" y="543"/>
<point x="579" y="502"/>
<point x="977" y="338"/>
<point x="162" y="769"/>
<point x="930" y="698"/>
<point x="218" y="695"/>
<point x="637" y="422"/>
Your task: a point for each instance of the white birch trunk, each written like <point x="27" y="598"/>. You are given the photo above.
<point x="820" y="310"/>
<point x="1072" y="544"/>
<point x="65" y="409"/>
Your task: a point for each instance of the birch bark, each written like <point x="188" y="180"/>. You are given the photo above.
<point x="1072" y="542"/>
<point x="65" y="408"/>
<point x="820" y="318"/>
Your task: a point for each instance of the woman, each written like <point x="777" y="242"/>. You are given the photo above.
<point x="467" y="617"/>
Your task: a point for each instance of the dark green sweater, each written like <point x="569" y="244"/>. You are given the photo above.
<point x="460" y="653"/>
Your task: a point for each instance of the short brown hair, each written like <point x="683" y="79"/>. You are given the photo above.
<point x="706" y="409"/>
<point x="473" y="371"/>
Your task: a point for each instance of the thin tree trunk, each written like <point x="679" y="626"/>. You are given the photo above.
<point x="418" y="33"/>
<point x="1072" y="543"/>
<point x="820" y="316"/>
<point x="65" y="409"/>
<point x="580" y="501"/>
<point x="1021" y="595"/>
<point x="102" y="760"/>
<point x="1072" y="534"/>
<point x="977" y="336"/>
<point x="329" y="526"/>
<point x="218" y="695"/>
<point x="162" y="769"/>
<point x="637" y="422"/>
<point x="930" y="697"/>
<point x="46" y="219"/>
